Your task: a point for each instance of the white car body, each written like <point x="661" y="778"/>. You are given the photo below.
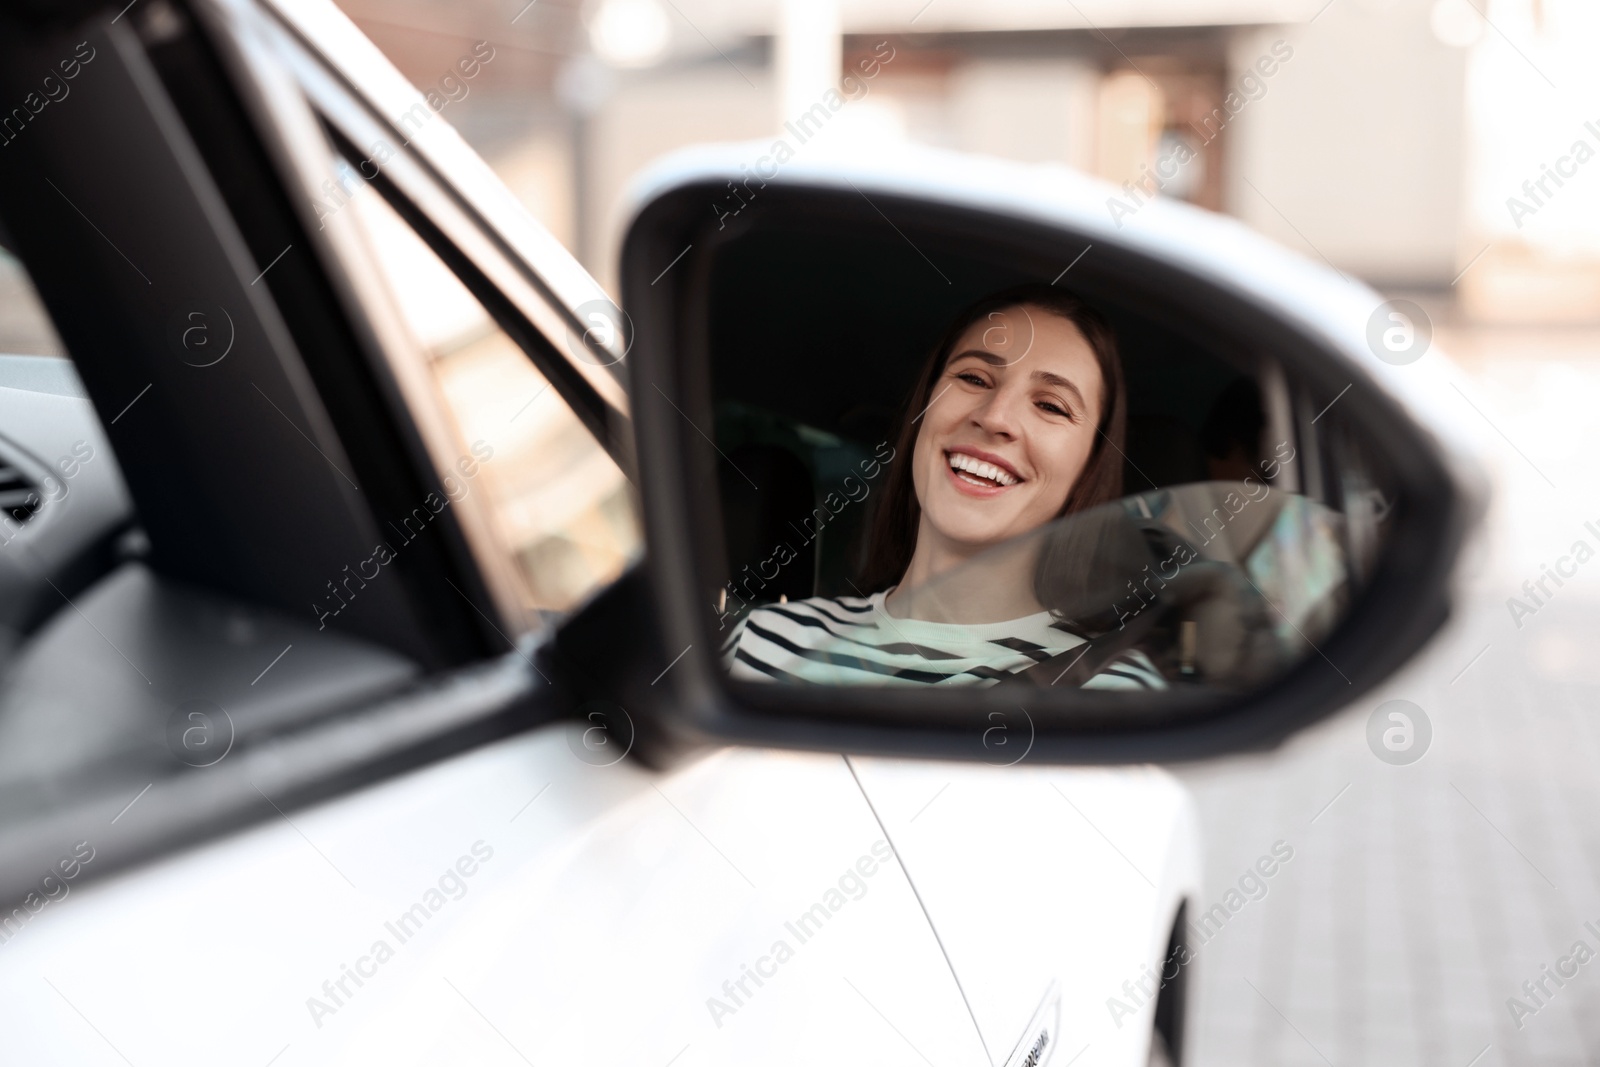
<point x="615" y="905"/>
<point x="614" y="914"/>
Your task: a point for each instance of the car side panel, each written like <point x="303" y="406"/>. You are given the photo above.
<point x="1041" y="878"/>
<point x="513" y="904"/>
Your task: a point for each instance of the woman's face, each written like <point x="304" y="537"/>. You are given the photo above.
<point x="1014" y="417"/>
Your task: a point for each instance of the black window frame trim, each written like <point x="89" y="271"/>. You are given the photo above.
<point x="523" y="302"/>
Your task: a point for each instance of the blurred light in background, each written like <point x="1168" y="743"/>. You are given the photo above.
<point x="809" y="49"/>
<point x="1132" y="115"/>
<point x="1456" y="23"/>
<point x="630" y="33"/>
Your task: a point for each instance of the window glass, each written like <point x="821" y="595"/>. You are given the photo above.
<point x="25" y="329"/>
<point x="62" y="501"/>
<point x="559" y="507"/>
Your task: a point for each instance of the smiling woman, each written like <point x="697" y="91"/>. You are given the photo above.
<point x="1024" y="392"/>
<point x="1016" y="420"/>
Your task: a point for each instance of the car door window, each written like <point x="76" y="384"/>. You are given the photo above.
<point x="63" y="509"/>
<point x="561" y="510"/>
<point x="25" y="328"/>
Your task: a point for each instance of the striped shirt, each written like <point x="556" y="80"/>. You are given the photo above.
<point x="854" y="641"/>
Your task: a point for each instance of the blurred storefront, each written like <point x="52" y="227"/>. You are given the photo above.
<point x="1382" y="136"/>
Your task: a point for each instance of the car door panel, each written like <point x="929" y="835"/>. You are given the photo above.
<point x="613" y="905"/>
<point x="1082" y="873"/>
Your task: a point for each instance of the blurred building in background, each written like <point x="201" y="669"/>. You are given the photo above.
<point x="1385" y="137"/>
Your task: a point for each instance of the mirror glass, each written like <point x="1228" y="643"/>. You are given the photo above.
<point x="935" y="466"/>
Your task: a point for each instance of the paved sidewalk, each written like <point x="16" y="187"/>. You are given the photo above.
<point x="1421" y="897"/>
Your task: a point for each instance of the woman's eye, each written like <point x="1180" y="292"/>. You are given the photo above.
<point x="971" y="379"/>
<point x="1055" y="409"/>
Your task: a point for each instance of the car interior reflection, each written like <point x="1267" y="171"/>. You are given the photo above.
<point x="1044" y="506"/>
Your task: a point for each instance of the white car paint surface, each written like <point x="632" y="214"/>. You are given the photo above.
<point x="1040" y="876"/>
<point x="605" y="909"/>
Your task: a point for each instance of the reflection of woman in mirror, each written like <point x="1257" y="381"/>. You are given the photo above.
<point x="1016" y="420"/>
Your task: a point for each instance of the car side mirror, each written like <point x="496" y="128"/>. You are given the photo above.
<point x="897" y="502"/>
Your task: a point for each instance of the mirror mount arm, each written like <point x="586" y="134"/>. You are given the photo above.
<point x="610" y="656"/>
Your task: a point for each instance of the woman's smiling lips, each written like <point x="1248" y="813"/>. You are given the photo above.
<point x="979" y="473"/>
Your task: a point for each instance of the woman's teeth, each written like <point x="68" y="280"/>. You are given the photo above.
<point x="978" y="472"/>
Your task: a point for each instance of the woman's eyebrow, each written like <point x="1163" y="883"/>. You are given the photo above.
<point x="988" y="357"/>
<point x="1059" y="382"/>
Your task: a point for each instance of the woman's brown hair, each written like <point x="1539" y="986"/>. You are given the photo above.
<point x="892" y="533"/>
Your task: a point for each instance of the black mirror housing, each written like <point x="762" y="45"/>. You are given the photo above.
<point x="903" y="239"/>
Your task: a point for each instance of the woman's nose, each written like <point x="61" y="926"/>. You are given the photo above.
<point x="998" y="414"/>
